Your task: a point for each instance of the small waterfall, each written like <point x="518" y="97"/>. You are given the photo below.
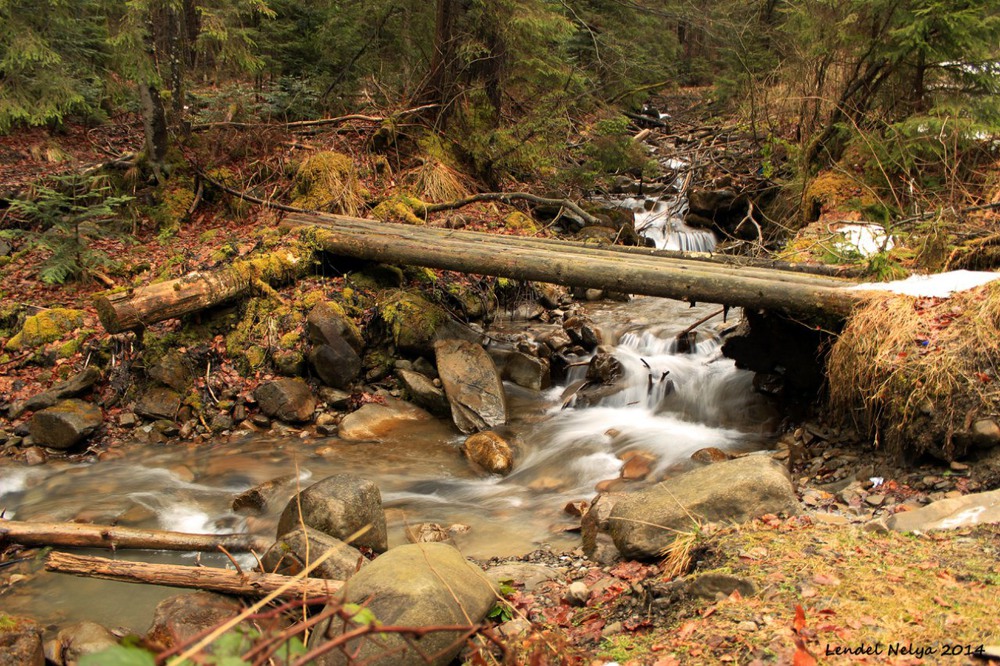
<point x="662" y="221"/>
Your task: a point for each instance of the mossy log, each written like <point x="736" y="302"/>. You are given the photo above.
<point x="81" y="535"/>
<point x="196" y="291"/>
<point x="240" y="583"/>
<point x="578" y="266"/>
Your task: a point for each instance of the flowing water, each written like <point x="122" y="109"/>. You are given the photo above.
<point x="672" y="405"/>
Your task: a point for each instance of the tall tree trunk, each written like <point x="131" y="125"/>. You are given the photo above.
<point x="154" y="124"/>
<point x="440" y="78"/>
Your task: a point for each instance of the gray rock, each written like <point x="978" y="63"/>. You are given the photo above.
<point x="642" y="524"/>
<point x="327" y="323"/>
<point x="159" y="403"/>
<point x="374" y="421"/>
<point x="293" y="551"/>
<point x="288" y="400"/>
<point x="80" y="639"/>
<point x="528" y="371"/>
<point x="594" y="522"/>
<point x="416" y="585"/>
<point x="710" y="586"/>
<point x="334" y="398"/>
<point x="472" y="384"/>
<point x="73" y="387"/>
<point x="180" y="618"/>
<point x="336" y="364"/>
<point x="21" y="643"/>
<point x="524" y="574"/>
<point x="577" y="593"/>
<point x="490" y="451"/>
<point x="340" y="506"/>
<point x="421" y="388"/>
<point x="947" y="514"/>
<point x="66" y="424"/>
<point x="173" y="370"/>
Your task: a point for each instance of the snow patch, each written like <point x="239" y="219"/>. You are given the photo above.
<point x="939" y="285"/>
<point x="865" y="239"/>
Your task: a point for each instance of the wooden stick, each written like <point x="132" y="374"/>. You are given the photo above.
<point x="200" y="578"/>
<point x="82" y="535"/>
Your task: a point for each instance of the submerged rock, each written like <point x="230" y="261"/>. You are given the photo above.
<point x="374" y="421"/>
<point x="182" y="617"/>
<point x="472" y="384"/>
<point x="490" y="451"/>
<point x="340" y="506"/>
<point x="293" y="551"/>
<point x="66" y="424"/>
<point x="643" y="524"/>
<point x="288" y="400"/>
<point x="418" y="585"/>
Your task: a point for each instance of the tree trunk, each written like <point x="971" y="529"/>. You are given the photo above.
<point x="246" y="584"/>
<point x="196" y="291"/>
<point x="81" y="535"/>
<point x="611" y="271"/>
<point x="154" y="124"/>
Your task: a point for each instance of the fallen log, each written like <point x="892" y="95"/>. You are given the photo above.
<point x="82" y="535"/>
<point x="611" y="272"/>
<point x="137" y="308"/>
<point x="246" y="584"/>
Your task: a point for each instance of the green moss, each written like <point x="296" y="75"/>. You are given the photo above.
<point x="289" y="340"/>
<point x="44" y="327"/>
<point x="411" y="320"/>
<point x="261" y="327"/>
<point x="328" y="181"/>
<point x="208" y="236"/>
<point x="312" y="298"/>
<point x="518" y="221"/>
<point x="402" y="209"/>
<point x="175" y="198"/>
<point x="378" y="276"/>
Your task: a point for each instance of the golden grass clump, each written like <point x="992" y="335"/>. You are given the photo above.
<point x="328" y="182"/>
<point x="436" y="182"/>
<point x="917" y="373"/>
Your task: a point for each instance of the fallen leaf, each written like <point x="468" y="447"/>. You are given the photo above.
<point x="799" y="623"/>
<point x="823" y="579"/>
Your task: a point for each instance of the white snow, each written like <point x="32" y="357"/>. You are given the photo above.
<point x="865" y="239"/>
<point x="939" y="285"/>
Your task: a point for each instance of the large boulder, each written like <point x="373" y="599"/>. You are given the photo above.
<point x="65" y="424"/>
<point x="81" y="639"/>
<point x="374" y="421"/>
<point x="44" y="327"/>
<point x="490" y="451"/>
<point x="414" y="323"/>
<point x="418" y="585"/>
<point x="20" y="642"/>
<point x="423" y="392"/>
<point x="644" y="523"/>
<point x="336" y="363"/>
<point x="951" y="513"/>
<point x="292" y="552"/>
<point x="340" y="506"/>
<point x="327" y="322"/>
<point x="288" y="400"/>
<point x="182" y="617"/>
<point x="159" y="402"/>
<point x="472" y="384"/>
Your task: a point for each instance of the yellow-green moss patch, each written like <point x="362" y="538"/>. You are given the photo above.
<point x="44" y="327"/>
<point x="328" y="181"/>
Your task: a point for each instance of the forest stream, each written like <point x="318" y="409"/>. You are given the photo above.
<point x="671" y="406"/>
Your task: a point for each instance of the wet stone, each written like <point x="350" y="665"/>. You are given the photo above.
<point x="21" y="643"/>
<point x="288" y="400"/>
<point x="291" y="553"/>
<point x="490" y="451"/>
<point x="159" y="403"/>
<point x="66" y="424"/>
<point x="340" y="506"/>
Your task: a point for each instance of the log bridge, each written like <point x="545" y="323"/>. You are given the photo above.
<point x="729" y="281"/>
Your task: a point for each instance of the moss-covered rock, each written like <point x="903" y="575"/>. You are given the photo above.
<point x="328" y="181"/>
<point x="263" y="326"/>
<point x="402" y="209"/>
<point x="411" y="321"/>
<point x="44" y="327"/>
<point x="518" y="221"/>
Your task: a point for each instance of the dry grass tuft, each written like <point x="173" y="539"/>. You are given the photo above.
<point x="677" y="556"/>
<point x="436" y="182"/>
<point x="917" y="373"/>
<point x="328" y="182"/>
